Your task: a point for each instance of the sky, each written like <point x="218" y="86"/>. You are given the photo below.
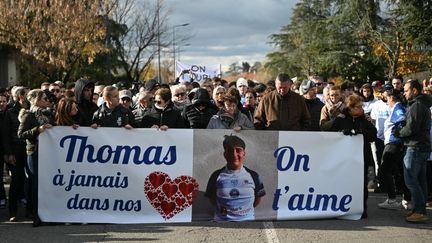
<point x="228" y="31"/>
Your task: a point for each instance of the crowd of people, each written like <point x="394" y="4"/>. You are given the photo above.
<point x="394" y="118"/>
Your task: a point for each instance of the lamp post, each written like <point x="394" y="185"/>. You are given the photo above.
<point x="174" y="45"/>
<point x="179" y="50"/>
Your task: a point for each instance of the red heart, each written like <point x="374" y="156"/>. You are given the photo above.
<point x="168" y="207"/>
<point x="180" y="201"/>
<point x="162" y="194"/>
<point x="157" y="179"/>
<point x="186" y="188"/>
<point x="151" y="195"/>
<point x="169" y="189"/>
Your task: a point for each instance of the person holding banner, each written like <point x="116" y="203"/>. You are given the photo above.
<point x="32" y="123"/>
<point x="198" y="114"/>
<point x="65" y="111"/>
<point x="229" y="117"/>
<point x="162" y="115"/>
<point x="235" y="190"/>
<point x="282" y="109"/>
<point x="352" y="121"/>
<point x="111" y="113"/>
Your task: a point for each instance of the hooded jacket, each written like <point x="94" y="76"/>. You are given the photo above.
<point x="418" y="123"/>
<point x="86" y="108"/>
<point x="10" y="129"/>
<point x="195" y="118"/>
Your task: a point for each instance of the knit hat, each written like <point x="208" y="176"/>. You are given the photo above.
<point x="241" y="82"/>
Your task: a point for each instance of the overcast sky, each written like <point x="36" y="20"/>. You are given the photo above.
<point x="228" y="31"/>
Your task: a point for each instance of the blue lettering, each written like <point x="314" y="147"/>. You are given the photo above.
<point x="299" y="159"/>
<point x="313" y="202"/>
<point x="118" y="155"/>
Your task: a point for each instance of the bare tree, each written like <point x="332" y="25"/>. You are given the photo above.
<point x="138" y="45"/>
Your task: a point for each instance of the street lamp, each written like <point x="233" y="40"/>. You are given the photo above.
<point x="179" y="50"/>
<point x="174" y="45"/>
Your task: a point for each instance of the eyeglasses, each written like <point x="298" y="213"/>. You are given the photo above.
<point x="126" y="99"/>
<point x="180" y="94"/>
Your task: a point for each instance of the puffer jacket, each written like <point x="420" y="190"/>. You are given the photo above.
<point x="30" y="121"/>
<point x="169" y="116"/>
<point x="195" y="118"/>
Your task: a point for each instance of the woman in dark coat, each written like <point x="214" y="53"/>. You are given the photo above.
<point x="353" y="121"/>
<point x="162" y="115"/>
<point x="32" y="123"/>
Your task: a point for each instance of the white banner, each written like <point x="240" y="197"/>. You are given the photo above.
<point x="114" y="175"/>
<point x="317" y="173"/>
<point x="197" y="72"/>
<point x="106" y="175"/>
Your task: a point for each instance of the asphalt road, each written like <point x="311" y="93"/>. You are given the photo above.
<point x="381" y="226"/>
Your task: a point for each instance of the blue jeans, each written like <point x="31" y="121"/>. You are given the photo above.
<point x="32" y="162"/>
<point x="415" y="177"/>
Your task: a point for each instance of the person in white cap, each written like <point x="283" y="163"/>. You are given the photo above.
<point x="242" y="86"/>
<point x="126" y="98"/>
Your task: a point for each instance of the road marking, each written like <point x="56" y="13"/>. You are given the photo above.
<point x="270" y="232"/>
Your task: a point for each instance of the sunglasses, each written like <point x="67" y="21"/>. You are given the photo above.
<point x="180" y="94"/>
<point x="55" y="91"/>
<point x="126" y="99"/>
<point x="159" y="102"/>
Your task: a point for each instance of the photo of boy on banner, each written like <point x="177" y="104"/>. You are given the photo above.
<point x="234" y="190"/>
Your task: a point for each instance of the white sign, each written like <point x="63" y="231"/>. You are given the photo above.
<point x="114" y="175"/>
<point x="196" y="72"/>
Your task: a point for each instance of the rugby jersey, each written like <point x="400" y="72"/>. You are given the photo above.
<point x="234" y="192"/>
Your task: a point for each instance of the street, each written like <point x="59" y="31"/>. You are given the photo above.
<point x="381" y="226"/>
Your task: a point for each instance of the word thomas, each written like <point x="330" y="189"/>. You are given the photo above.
<point x="115" y="155"/>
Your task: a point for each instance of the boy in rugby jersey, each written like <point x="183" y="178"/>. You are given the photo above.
<point x="235" y="190"/>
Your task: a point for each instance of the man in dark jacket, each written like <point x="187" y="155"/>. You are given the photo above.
<point x="198" y="113"/>
<point x="111" y="113"/>
<point x="83" y="95"/>
<point x="15" y="152"/>
<point x="415" y="135"/>
<point x="282" y="109"/>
